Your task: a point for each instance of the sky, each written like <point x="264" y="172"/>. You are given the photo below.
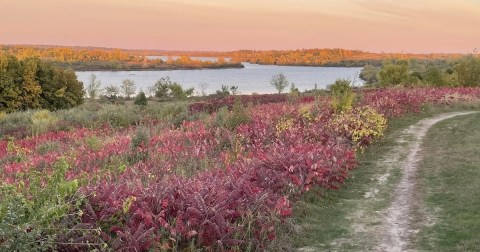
<point x="418" y="26"/>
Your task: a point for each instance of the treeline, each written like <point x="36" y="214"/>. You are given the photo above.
<point x="34" y="84"/>
<point x="463" y="72"/>
<point x="325" y="57"/>
<point x="109" y="59"/>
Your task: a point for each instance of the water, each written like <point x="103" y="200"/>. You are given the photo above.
<point x="251" y="79"/>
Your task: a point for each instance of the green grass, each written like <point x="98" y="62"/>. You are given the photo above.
<point x="450" y="179"/>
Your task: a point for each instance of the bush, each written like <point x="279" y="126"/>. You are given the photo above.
<point x="234" y="118"/>
<point x="141" y="99"/>
<point x="343" y="96"/>
<point x="139" y="146"/>
<point x="41" y="121"/>
<point x="360" y="125"/>
<point x="16" y="124"/>
<point x="119" y="116"/>
<point x="30" y="214"/>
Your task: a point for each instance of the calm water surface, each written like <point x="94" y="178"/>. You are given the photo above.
<point x="251" y="79"/>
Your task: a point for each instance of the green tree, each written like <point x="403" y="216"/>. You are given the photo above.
<point x="31" y="89"/>
<point x="468" y="71"/>
<point x="93" y="87"/>
<point x="433" y="76"/>
<point x="32" y="83"/>
<point x="168" y="89"/>
<point x="161" y="87"/>
<point x="128" y="88"/>
<point x="393" y="74"/>
<point x="10" y="78"/>
<point x="279" y="81"/>
<point x="178" y="93"/>
<point x="60" y="88"/>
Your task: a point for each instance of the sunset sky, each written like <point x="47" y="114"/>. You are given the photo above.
<point x="372" y="25"/>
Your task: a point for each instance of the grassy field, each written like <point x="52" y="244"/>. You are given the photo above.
<point x="450" y="179"/>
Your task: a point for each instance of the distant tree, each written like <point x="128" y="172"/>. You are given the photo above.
<point x="203" y="88"/>
<point x="234" y="90"/>
<point x="468" y="71"/>
<point x="161" y="87"/>
<point x="112" y="92"/>
<point x="223" y="91"/>
<point x="178" y="93"/>
<point x="433" y="76"/>
<point x="294" y="89"/>
<point x="141" y="99"/>
<point x="168" y="89"/>
<point x="393" y="74"/>
<point x="279" y="81"/>
<point x="221" y="60"/>
<point x="93" y="87"/>
<point x="128" y="88"/>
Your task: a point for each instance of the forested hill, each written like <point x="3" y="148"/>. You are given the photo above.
<point x="328" y="57"/>
<point x="117" y="59"/>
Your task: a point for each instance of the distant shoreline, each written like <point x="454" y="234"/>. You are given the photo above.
<point x="153" y="69"/>
<point x="82" y="67"/>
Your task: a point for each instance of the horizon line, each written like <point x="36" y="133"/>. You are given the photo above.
<point x="220" y="51"/>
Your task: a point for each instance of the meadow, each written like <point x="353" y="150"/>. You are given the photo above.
<point x="216" y="174"/>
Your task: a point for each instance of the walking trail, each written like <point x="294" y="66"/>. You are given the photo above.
<point x="384" y="220"/>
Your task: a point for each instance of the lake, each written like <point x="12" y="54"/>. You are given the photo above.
<point x="251" y="79"/>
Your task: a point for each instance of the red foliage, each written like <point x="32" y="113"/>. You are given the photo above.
<point x="216" y="188"/>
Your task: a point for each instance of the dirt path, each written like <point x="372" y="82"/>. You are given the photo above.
<point x="382" y="220"/>
<point x="397" y="223"/>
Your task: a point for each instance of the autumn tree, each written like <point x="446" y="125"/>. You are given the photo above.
<point x="128" y="88"/>
<point x="279" y="81"/>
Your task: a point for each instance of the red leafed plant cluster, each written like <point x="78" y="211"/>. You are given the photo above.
<point x="394" y="102"/>
<point x="201" y="185"/>
<point x="214" y="104"/>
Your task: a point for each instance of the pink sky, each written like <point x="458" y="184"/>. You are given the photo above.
<point x="372" y="25"/>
